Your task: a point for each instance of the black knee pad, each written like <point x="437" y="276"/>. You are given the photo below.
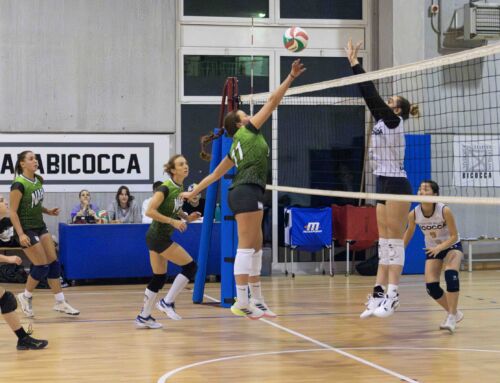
<point x="157" y="282"/>
<point x="434" y="290"/>
<point x="452" y="281"/>
<point x="39" y="272"/>
<point x="189" y="270"/>
<point x="54" y="270"/>
<point x="8" y="303"/>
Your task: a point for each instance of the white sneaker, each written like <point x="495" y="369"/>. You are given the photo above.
<point x="168" y="308"/>
<point x="250" y="311"/>
<point x="148" y="322"/>
<point x="64" y="307"/>
<point x="458" y="318"/>
<point x="261" y="305"/>
<point x="26" y="305"/>
<point x="450" y="323"/>
<point x="371" y="304"/>
<point x="387" y="307"/>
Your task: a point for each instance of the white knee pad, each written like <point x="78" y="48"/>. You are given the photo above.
<point x="396" y="252"/>
<point x="256" y="263"/>
<point x="383" y="252"/>
<point x="243" y="261"/>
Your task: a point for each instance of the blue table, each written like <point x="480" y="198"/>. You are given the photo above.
<point x="119" y="250"/>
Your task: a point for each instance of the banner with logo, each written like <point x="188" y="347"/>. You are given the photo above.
<point x="99" y="162"/>
<point x="476" y="161"/>
<point x="308" y="228"/>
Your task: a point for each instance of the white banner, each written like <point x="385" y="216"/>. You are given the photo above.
<point x="99" y="162"/>
<point x="476" y="161"/>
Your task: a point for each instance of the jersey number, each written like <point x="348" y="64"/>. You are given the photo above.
<point x="237" y="152"/>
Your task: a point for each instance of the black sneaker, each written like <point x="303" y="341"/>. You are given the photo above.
<point x="29" y="343"/>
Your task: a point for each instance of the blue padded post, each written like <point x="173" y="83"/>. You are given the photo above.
<point x="206" y="230"/>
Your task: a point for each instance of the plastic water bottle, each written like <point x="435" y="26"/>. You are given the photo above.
<point x="217" y="213"/>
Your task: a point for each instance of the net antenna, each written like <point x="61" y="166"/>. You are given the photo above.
<point x="251" y="63"/>
<point x="228" y="233"/>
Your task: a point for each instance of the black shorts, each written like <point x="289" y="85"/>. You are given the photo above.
<point x="442" y="254"/>
<point x="392" y="185"/>
<point x="158" y="244"/>
<point x="246" y="198"/>
<point x="34" y="234"/>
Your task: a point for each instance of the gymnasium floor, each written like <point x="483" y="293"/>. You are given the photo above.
<point x="318" y="337"/>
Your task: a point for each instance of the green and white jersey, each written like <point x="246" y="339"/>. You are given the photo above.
<point x="170" y="207"/>
<point x="30" y="208"/>
<point x="249" y="152"/>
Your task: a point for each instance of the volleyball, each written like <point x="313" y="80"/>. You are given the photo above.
<point x="103" y="216"/>
<point x="295" y="39"/>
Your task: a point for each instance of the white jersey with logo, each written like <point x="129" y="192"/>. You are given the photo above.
<point x="387" y="150"/>
<point x="434" y="227"/>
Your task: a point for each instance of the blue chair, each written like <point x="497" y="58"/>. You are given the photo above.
<point x="309" y="229"/>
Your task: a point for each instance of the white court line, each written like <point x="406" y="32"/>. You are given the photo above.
<point x="168" y="375"/>
<point x="305" y="337"/>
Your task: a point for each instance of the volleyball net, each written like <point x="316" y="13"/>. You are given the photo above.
<point x="321" y="132"/>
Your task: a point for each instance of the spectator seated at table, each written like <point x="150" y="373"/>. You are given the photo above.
<point x="85" y="211"/>
<point x="124" y="209"/>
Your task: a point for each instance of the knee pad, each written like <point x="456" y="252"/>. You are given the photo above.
<point x="383" y="252"/>
<point x="396" y="252"/>
<point x="189" y="270"/>
<point x="434" y="290"/>
<point x="8" y="303"/>
<point x="452" y="281"/>
<point x="157" y="282"/>
<point x="54" y="270"/>
<point x="40" y="272"/>
<point x="256" y="263"/>
<point x="243" y="261"/>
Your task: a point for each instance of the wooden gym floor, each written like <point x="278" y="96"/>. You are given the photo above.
<point x="318" y="337"/>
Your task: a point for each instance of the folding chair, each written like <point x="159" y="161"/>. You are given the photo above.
<point x="355" y="228"/>
<point x="309" y="229"/>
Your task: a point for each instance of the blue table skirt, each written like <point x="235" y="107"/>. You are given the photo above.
<point x="119" y="250"/>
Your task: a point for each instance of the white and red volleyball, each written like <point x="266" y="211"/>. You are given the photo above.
<point x="295" y="39"/>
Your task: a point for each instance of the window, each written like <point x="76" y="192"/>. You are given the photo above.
<point x="321" y="146"/>
<point x="322" y="9"/>
<point x="205" y="75"/>
<point x="322" y="69"/>
<point x="227" y="8"/>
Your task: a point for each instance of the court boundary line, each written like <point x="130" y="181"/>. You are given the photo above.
<point x="171" y="373"/>
<point x="322" y="345"/>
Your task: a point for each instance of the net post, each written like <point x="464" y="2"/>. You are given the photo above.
<point x="207" y="225"/>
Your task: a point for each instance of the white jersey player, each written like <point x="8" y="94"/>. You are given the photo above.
<point x="442" y="246"/>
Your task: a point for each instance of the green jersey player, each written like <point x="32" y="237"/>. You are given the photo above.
<point x="26" y="197"/>
<point x="249" y="153"/>
<point x="165" y="209"/>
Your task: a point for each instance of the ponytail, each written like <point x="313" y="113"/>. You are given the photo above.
<point x="18" y="170"/>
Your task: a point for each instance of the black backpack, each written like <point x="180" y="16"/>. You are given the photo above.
<point x="368" y="267"/>
<point x="11" y="273"/>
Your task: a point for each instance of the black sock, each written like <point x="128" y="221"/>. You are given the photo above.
<point x="378" y="291"/>
<point x="21" y="333"/>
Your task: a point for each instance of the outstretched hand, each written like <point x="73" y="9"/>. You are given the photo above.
<point x="352" y="52"/>
<point x="297" y="69"/>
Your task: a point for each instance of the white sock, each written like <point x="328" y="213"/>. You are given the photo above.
<point x="59" y="297"/>
<point x="392" y="291"/>
<point x="27" y="294"/>
<point x="180" y="282"/>
<point x="255" y="290"/>
<point x="242" y="295"/>
<point x="149" y="300"/>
